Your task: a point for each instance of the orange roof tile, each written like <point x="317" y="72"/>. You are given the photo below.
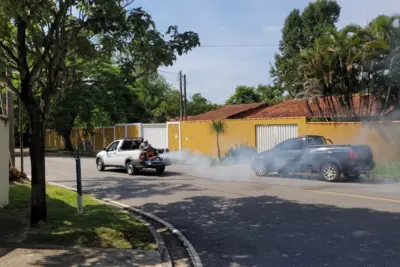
<point x="363" y="106"/>
<point x="224" y="112"/>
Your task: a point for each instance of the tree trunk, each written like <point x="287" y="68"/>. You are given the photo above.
<point x="67" y="140"/>
<point x="218" y="150"/>
<point x="37" y="156"/>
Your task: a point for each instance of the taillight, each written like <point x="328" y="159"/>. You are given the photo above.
<point x="352" y="155"/>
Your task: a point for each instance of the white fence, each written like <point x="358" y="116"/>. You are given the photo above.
<point x="4" y="161"/>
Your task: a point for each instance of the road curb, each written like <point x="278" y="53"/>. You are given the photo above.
<point x="189" y="247"/>
<point x="162" y="249"/>
<point x="194" y="257"/>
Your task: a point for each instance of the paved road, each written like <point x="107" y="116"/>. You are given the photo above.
<point x="237" y="219"/>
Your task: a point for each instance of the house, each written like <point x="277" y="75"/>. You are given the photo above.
<point x="226" y="112"/>
<point x="363" y="106"/>
<point x="4" y="160"/>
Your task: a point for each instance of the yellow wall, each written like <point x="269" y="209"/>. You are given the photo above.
<point x="98" y="143"/>
<point x="119" y="132"/>
<point x="108" y="135"/>
<point x="133" y="131"/>
<point x="197" y="135"/>
<point x="4" y="161"/>
<point x="74" y="137"/>
<point x="381" y="137"/>
<point x="173" y="137"/>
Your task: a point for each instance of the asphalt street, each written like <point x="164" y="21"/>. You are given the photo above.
<point x="234" y="218"/>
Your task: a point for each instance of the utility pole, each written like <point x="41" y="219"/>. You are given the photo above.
<point x="10" y="114"/>
<point x="180" y="96"/>
<point x="184" y="97"/>
<point x="21" y="136"/>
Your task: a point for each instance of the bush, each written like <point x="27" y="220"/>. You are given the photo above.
<point x="16" y="176"/>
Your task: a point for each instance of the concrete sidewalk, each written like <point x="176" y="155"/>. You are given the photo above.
<point x="22" y="257"/>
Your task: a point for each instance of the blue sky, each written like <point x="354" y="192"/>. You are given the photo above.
<point x="216" y="71"/>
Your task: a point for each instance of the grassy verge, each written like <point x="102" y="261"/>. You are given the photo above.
<point x="389" y="170"/>
<point x="99" y="226"/>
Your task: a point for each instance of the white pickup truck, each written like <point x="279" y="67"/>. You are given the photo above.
<point x="126" y="153"/>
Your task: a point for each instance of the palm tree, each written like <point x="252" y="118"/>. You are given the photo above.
<point x="218" y="127"/>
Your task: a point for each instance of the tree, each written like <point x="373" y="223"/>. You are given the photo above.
<point x="244" y="95"/>
<point x="269" y="94"/>
<point x="157" y="97"/>
<point x="218" y="127"/>
<point x="198" y="104"/>
<point x="299" y="33"/>
<point x="38" y="41"/>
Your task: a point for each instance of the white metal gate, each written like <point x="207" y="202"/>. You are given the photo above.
<point x="268" y="136"/>
<point x="156" y="134"/>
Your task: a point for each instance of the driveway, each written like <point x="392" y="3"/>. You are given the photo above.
<point x="233" y="218"/>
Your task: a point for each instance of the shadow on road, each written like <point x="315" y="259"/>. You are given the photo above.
<point x="145" y="172"/>
<point x="314" y="177"/>
<point x="269" y="231"/>
<point x="122" y="188"/>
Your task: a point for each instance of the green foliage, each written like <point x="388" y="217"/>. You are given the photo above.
<point x="244" y="95"/>
<point x="218" y="127"/>
<point x="262" y="93"/>
<point x="316" y="59"/>
<point x="52" y="47"/>
<point x="199" y="104"/>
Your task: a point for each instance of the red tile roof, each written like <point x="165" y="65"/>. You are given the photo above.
<point x="363" y="106"/>
<point x="224" y="112"/>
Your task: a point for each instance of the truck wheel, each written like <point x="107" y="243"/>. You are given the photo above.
<point x="160" y="170"/>
<point x="130" y="168"/>
<point x="330" y="172"/>
<point x="261" y="170"/>
<point x="352" y="176"/>
<point x="100" y="165"/>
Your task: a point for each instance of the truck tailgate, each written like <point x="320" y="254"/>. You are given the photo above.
<point x="364" y="154"/>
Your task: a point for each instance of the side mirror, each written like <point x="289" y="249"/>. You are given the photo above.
<point x="104" y="148"/>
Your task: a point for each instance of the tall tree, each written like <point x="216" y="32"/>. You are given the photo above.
<point x="244" y="95"/>
<point x="198" y="104"/>
<point x="37" y="38"/>
<point x="299" y="32"/>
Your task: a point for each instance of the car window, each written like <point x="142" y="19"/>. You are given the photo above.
<point x="315" y="141"/>
<point x="292" y="145"/>
<point x="130" y="145"/>
<point x="113" y="146"/>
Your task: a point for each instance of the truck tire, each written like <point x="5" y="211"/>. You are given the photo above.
<point x="100" y="165"/>
<point x="261" y="170"/>
<point x="160" y="170"/>
<point x="330" y="172"/>
<point x="130" y="168"/>
<point x="352" y="176"/>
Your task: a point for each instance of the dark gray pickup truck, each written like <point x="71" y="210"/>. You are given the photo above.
<point x="312" y="153"/>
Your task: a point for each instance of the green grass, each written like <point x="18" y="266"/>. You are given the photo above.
<point x="99" y="226"/>
<point x="388" y="169"/>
